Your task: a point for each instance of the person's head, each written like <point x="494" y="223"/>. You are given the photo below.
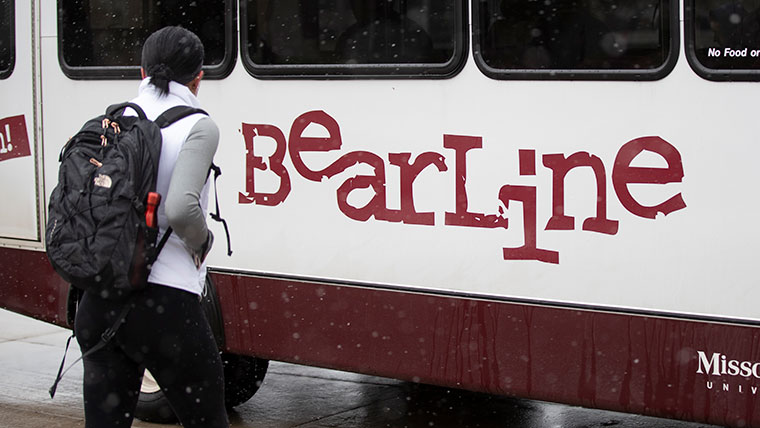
<point x="172" y="54"/>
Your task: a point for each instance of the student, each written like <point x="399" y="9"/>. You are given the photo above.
<point x="166" y="330"/>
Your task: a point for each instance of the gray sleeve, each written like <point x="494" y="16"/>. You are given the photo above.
<point x="182" y="202"/>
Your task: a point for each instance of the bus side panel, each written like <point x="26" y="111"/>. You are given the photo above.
<point x="642" y="364"/>
<point x="31" y="287"/>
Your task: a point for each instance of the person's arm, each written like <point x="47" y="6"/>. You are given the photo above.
<point x="182" y="202"/>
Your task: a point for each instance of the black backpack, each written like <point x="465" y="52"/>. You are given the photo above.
<point x="97" y="237"/>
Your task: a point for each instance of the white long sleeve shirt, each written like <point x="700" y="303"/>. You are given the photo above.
<point x="186" y="154"/>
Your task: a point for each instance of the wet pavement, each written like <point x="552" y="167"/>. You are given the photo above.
<point x="291" y="396"/>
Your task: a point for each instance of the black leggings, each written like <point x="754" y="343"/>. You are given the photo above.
<point x="166" y="332"/>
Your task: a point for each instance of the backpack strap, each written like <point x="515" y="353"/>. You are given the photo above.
<point x="165" y="119"/>
<point x="104" y="339"/>
<point x="216" y="216"/>
<point x="163" y="240"/>
<point x="176" y="113"/>
<point x="113" y="109"/>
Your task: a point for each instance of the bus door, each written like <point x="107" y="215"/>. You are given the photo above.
<point x="19" y="217"/>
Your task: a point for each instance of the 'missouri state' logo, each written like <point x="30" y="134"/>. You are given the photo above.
<point x="719" y="364"/>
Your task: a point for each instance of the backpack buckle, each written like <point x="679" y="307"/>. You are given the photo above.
<point x="108" y="335"/>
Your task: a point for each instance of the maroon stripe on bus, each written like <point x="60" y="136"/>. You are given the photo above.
<point x="623" y="362"/>
<point x="669" y="367"/>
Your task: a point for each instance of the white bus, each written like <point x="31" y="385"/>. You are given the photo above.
<point x="548" y="199"/>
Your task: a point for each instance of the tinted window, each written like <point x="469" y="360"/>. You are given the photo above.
<point x="7" y="41"/>
<point x="576" y="38"/>
<point x="103" y="38"/>
<point x="724" y="37"/>
<point x="353" y="37"/>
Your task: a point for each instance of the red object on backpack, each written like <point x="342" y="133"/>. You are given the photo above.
<point x="150" y="213"/>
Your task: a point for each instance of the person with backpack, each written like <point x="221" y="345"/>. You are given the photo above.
<point x="165" y="329"/>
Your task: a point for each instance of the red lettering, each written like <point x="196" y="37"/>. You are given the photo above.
<point x="462" y="144"/>
<point x="527" y="162"/>
<point x="409" y="172"/>
<point x="560" y="166"/>
<point x="299" y="143"/>
<point x="530" y="251"/>
<point x="376" y="206"/>
<point x="624" y="174"/>
<point x="410" y="169"/>
<point x="250" y="132"/>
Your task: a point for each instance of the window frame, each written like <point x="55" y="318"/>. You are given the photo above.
<point x="5" y="73"/>
<point x="581" y="74"/>
<point x="361" y="71"/>
<point x="214" y="72"/>
<point x="707" y="73"/>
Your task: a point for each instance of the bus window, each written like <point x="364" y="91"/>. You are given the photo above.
<point x="724" y="38"/>
<point x="356" y="38"/>
<point x="576" y="39"/>
<point x="7" y="41"/>
<point x="103" y="39"/>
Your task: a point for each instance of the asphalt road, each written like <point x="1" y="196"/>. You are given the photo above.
<point x="291" y="396"/>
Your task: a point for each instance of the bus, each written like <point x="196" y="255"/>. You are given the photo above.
<point x="545" y="199"/>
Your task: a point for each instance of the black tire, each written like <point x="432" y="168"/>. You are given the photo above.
<point x="243" y="376"/>
<point x="152" y="406"/>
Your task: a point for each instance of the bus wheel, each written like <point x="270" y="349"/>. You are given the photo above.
<point x="152" y="406"/>
<point x="243" y="376"/>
